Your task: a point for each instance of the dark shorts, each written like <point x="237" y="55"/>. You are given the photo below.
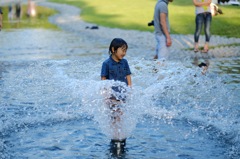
<point x="119" y="93"/>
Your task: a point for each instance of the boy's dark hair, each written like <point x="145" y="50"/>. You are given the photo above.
<point x="117" y="43"/>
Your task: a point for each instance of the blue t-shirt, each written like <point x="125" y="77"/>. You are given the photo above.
<point x="117" y="71"/>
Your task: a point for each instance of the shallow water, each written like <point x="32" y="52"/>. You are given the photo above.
<point x="52" y="106"/>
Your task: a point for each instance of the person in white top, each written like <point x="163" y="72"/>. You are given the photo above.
<point x="203" y="17"/>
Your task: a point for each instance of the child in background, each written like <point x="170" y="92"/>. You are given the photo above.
<point x="116" y="68"/>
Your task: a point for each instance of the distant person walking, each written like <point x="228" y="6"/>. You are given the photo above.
<point x="162" y="29"/>
<point x="31" y="10"/>
<point x="18" y="10"/>
<point x="1" y="18"/>
<point x="203" y="17"/>
<point x="10" y="12"/>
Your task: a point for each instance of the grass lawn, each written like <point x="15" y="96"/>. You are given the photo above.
<point x="135" y="14"/>
<point x="40" y="21"/>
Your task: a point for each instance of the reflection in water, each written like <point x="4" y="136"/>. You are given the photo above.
<point x="117" y="149"/>
<point x="231" y="67"/>
<point x="204" y="65"/>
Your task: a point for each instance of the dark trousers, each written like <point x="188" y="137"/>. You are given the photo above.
<point x="203" y="19"/>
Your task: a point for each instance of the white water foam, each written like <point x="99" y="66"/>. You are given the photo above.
<point x="38" y="92"/>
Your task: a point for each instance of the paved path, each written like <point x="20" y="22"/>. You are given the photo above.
<point x="141" y="43"/>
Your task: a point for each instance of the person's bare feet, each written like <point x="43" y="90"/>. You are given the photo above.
<point x="204" y="50"/>
<point x="195" y="50"/>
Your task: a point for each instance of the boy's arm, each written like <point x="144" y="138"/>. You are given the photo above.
<point x="129" y="80"/>
<point x="103" y="78"/>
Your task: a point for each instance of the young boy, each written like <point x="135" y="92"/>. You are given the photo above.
<point x="116" y="68"/>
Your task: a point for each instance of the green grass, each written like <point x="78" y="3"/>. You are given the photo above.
<point x="135" y="14"/>
<point x="40" y="21"/>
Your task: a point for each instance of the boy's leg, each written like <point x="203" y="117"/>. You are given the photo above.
<point x="116" y="120"/>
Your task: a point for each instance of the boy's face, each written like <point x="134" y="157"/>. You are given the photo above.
<point x="120" y="53"/>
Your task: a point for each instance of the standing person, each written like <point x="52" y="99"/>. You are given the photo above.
<point x="116" y="68"/>
<point x="31" y="10"/>
<point x="1" y="18"/>
<point x="10" y="12"/>
<point x="18" y="10"/>
<point x="203" y="17"/>
<point x="162" y="29"/>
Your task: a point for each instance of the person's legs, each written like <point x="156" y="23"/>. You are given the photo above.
<point x="199" y="22"/>
<point x="162" y="49"/>
<point x="207" y="25"/>
<point x="157" y="46"/>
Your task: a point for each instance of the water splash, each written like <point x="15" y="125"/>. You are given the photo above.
<point x="47" y="92"/>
